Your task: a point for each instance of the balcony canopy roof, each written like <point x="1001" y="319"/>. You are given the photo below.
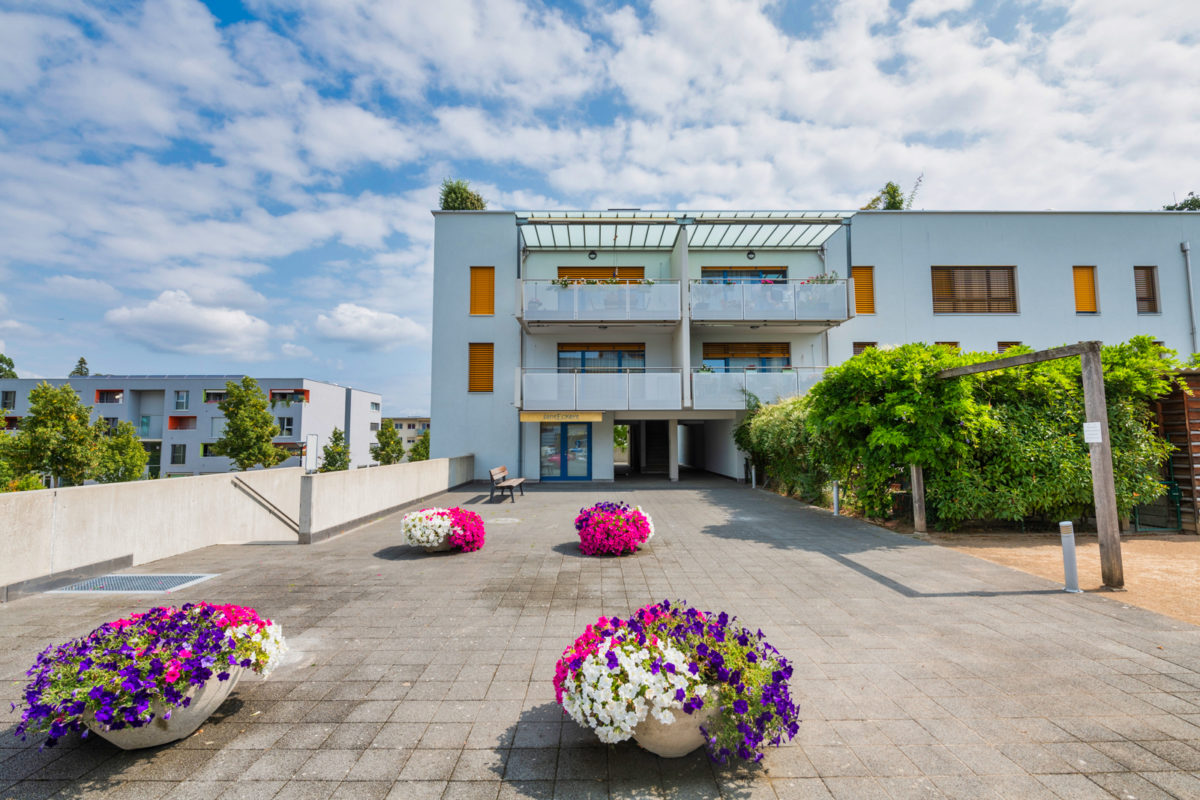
<point x="657" y="230"/>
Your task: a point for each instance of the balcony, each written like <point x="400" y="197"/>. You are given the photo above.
<point x="549" y="302"/>
<point x="825" y="304"/>
<point x="150" y="427"/>
<point x="554" y="390"/>
<point x="727" y="390"/>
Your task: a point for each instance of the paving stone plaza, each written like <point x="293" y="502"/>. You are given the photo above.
<point x="920" y="672"/>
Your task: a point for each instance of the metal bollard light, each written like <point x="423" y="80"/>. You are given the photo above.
<point x="835" y="498"/>
<point x="1066" y="531"/>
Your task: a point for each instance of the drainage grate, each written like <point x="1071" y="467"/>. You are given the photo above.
<point x="135" y="584"/>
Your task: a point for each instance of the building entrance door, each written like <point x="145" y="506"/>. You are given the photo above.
<point x="566" y="451"/>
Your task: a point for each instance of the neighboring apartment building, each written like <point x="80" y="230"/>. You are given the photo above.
<point x="409" y="428"/>
<point x="552" y="327"/>
<point x="178" y="419"/>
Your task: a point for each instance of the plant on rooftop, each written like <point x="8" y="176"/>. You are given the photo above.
<point x="610" y="528"/>
<point x="693" y="672"/>
<point x="8" y="368"/>
<point x="457" y="196"/>
<point x="444" y="528"/>
<point x="139" y="671"/>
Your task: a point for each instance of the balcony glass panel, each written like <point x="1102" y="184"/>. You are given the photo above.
<point x="718" y="390"/>
<point x="821" y="301"/>
<point x="794" y="300"/>
<point x="655" y="390"/>
<point x="545" y="301"/>
<point x="725" y="390"/>
<point x="602" y="391"/>
<point x="150" y="427"/>
<point x="769" y="300"/>
<point x="717" y="301"/>
<point x="771" y="387"/>
<point x="548" y="391"/>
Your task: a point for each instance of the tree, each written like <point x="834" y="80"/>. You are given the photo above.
<point x="457" y="196"/>
<point x="7" y="367"/>
<point x="335" y="456"/>
<point x="81" y="369"/>
<point x="249" y="427"/>
<point x="891" y="197"/>
<point x="122" y="456"/>
<point x="388" y="447"/>
<point x="10" y="479"/>
<point x="1190" y="203"/>
<point x="55" y="437"/>
<point x="420" y="448"/>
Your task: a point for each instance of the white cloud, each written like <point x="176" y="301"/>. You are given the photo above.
<point x="172" y="323"/>
<point x="367" y="329"/>
<point x="74" y="288"/>
<point x="295" y="350"/>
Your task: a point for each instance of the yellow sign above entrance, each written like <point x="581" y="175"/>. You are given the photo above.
<point x="561" y="416"/>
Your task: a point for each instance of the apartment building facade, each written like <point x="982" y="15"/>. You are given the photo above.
<point x="410" y="429"/>
<point x="178" y="418"/>
<point x="551" y="328"/>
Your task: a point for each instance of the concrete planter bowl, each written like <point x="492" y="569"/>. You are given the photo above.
<point x="439" y="548"/>
<point x="676" y="739"/>
<point x="183" y="722"/>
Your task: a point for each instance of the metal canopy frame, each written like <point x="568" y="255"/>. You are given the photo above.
<point x="657" y="230"/>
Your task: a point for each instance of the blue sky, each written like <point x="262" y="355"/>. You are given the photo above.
<point x="245" y="186"/>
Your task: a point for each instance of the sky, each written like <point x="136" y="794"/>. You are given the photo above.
<point x="245" y="187"/>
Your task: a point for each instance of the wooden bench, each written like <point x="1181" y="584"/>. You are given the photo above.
<point x="501" y="481"/>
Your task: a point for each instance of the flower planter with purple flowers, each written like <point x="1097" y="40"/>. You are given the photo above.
<point x="670" y="666"/>
<point x="150" y="679"/>
<point x="610" y="528"/>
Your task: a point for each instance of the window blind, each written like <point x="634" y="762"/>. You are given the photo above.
<point x="601" y="347"/>
<point x="1146" y="283"/>
<point x="747" y="350"/>
<point x="860" y="347"/>
<point x="602" y="273"/>
<point x="974" y="290"/>
<point x="1085" y="290"/>
<point x="479" y="366"/>
<point x="864" y="289"/>
<point x="483" y="290"/>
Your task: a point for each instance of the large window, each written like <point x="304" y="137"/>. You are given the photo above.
<point x="974" y="290"/>
<point x="864" y="289"/>
<point x="181" y="399"/>
<point x="483" y="290"/>
<point x="743" y="274"/>
<point x="1085" y="290"/>
<point x="214" y="395"/>
<point x="595" y="357"/>
<point x="8" y="400"/>
<point x="480" y="360"/>
<point x="621" y="274"/>
<point x="181" y="423"/>
<point x="1145" y="281"/>
<point x="206" y="449"/>
<point x="110" y="396"/>
<point x="179" y="454"/>
<point x="733" y="356"/>
<point x="286" y="425"/>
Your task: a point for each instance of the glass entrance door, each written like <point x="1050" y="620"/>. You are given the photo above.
<point x="566" y="451"/>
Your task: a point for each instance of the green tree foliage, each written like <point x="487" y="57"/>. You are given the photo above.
<point x="249" y="427"/>
<point x="620" y="436"/>
<point x="55" y="437"/>
<point x="891" y="197"/>
<point x="10" y="479"/>
<point x="122" y="456"/>
<point x="420" y="449"/>
<point x="1003" y="445"/>
<point x="7" y="367"/>
<point x="388" y="447"/>
<point x="335" y="456"/>
<point x="81" y="369"/>
<point x="457" y="196"/>
<point x="1189" y="203"/>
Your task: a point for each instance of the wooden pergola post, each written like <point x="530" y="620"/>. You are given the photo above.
<point x="1104" y="491"/>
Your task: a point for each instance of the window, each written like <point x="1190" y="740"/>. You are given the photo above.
<point x="214" y="396"/>
<point x="864" y="289"/>
<point x="374" y="426"/>
<point x="216" y="427"/>
<point x="483" y="290"/>
<point x="181" y="423"/>
<point x="178" y="453"/>
<point x="110" y="396"/>
<point x="731" y="356"/>
<point x="206" y="449"/>
<point x="623" y="274"/>
<point x="374" y="406"/>
<point x="181" y="399"/>
<point x="8" y="400"/>
<point x="974" y="290"/>
<point x="1145" y="281"/>
<point x="286" y="425"/>
<point x="861" y="347"/>
<point x="1002" y="346"/>
<point x="412" y="426"/>
<point x="602" y="357"/>
<point x="948" y="345"/>
<point x="111" y="423"/>
<point x="289" y="396"/>
<point x="743" y="274"/>
<point x="479" y="366"/>
<point x="12" y="423"/>
<point x="1085" y="290"/>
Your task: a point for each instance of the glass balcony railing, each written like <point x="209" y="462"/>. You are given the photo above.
<point x="150" y="427"/>
<point x="555" y="390"/>
<point x="727" y="390"/>
<point x="795" y="301"/>
<point x="549" y="301"/>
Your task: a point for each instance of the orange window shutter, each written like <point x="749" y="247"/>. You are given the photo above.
<point x="1085" y="290"/>
<point x="864" y="289"/>
<point x="483" y="290"/>
<point x="602" y="273"/>
<point x="746" y="350"/>
<point x="479" y="366"/>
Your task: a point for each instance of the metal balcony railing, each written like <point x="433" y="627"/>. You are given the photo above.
<point x="548" y="301"/>
<point x="727" y="390"/>
<point x="606" y="390"/>
<point x="794" y="301"/>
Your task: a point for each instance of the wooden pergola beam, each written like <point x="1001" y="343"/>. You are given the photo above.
<point x="1053" y="353"/>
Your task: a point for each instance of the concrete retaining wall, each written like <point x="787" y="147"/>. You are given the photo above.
<point x="333" y="502"/>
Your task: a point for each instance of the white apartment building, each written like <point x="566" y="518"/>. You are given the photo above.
<point x="552" y="327"/>
<point x="178" y="418"/>
<point x="409" y="428"/>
